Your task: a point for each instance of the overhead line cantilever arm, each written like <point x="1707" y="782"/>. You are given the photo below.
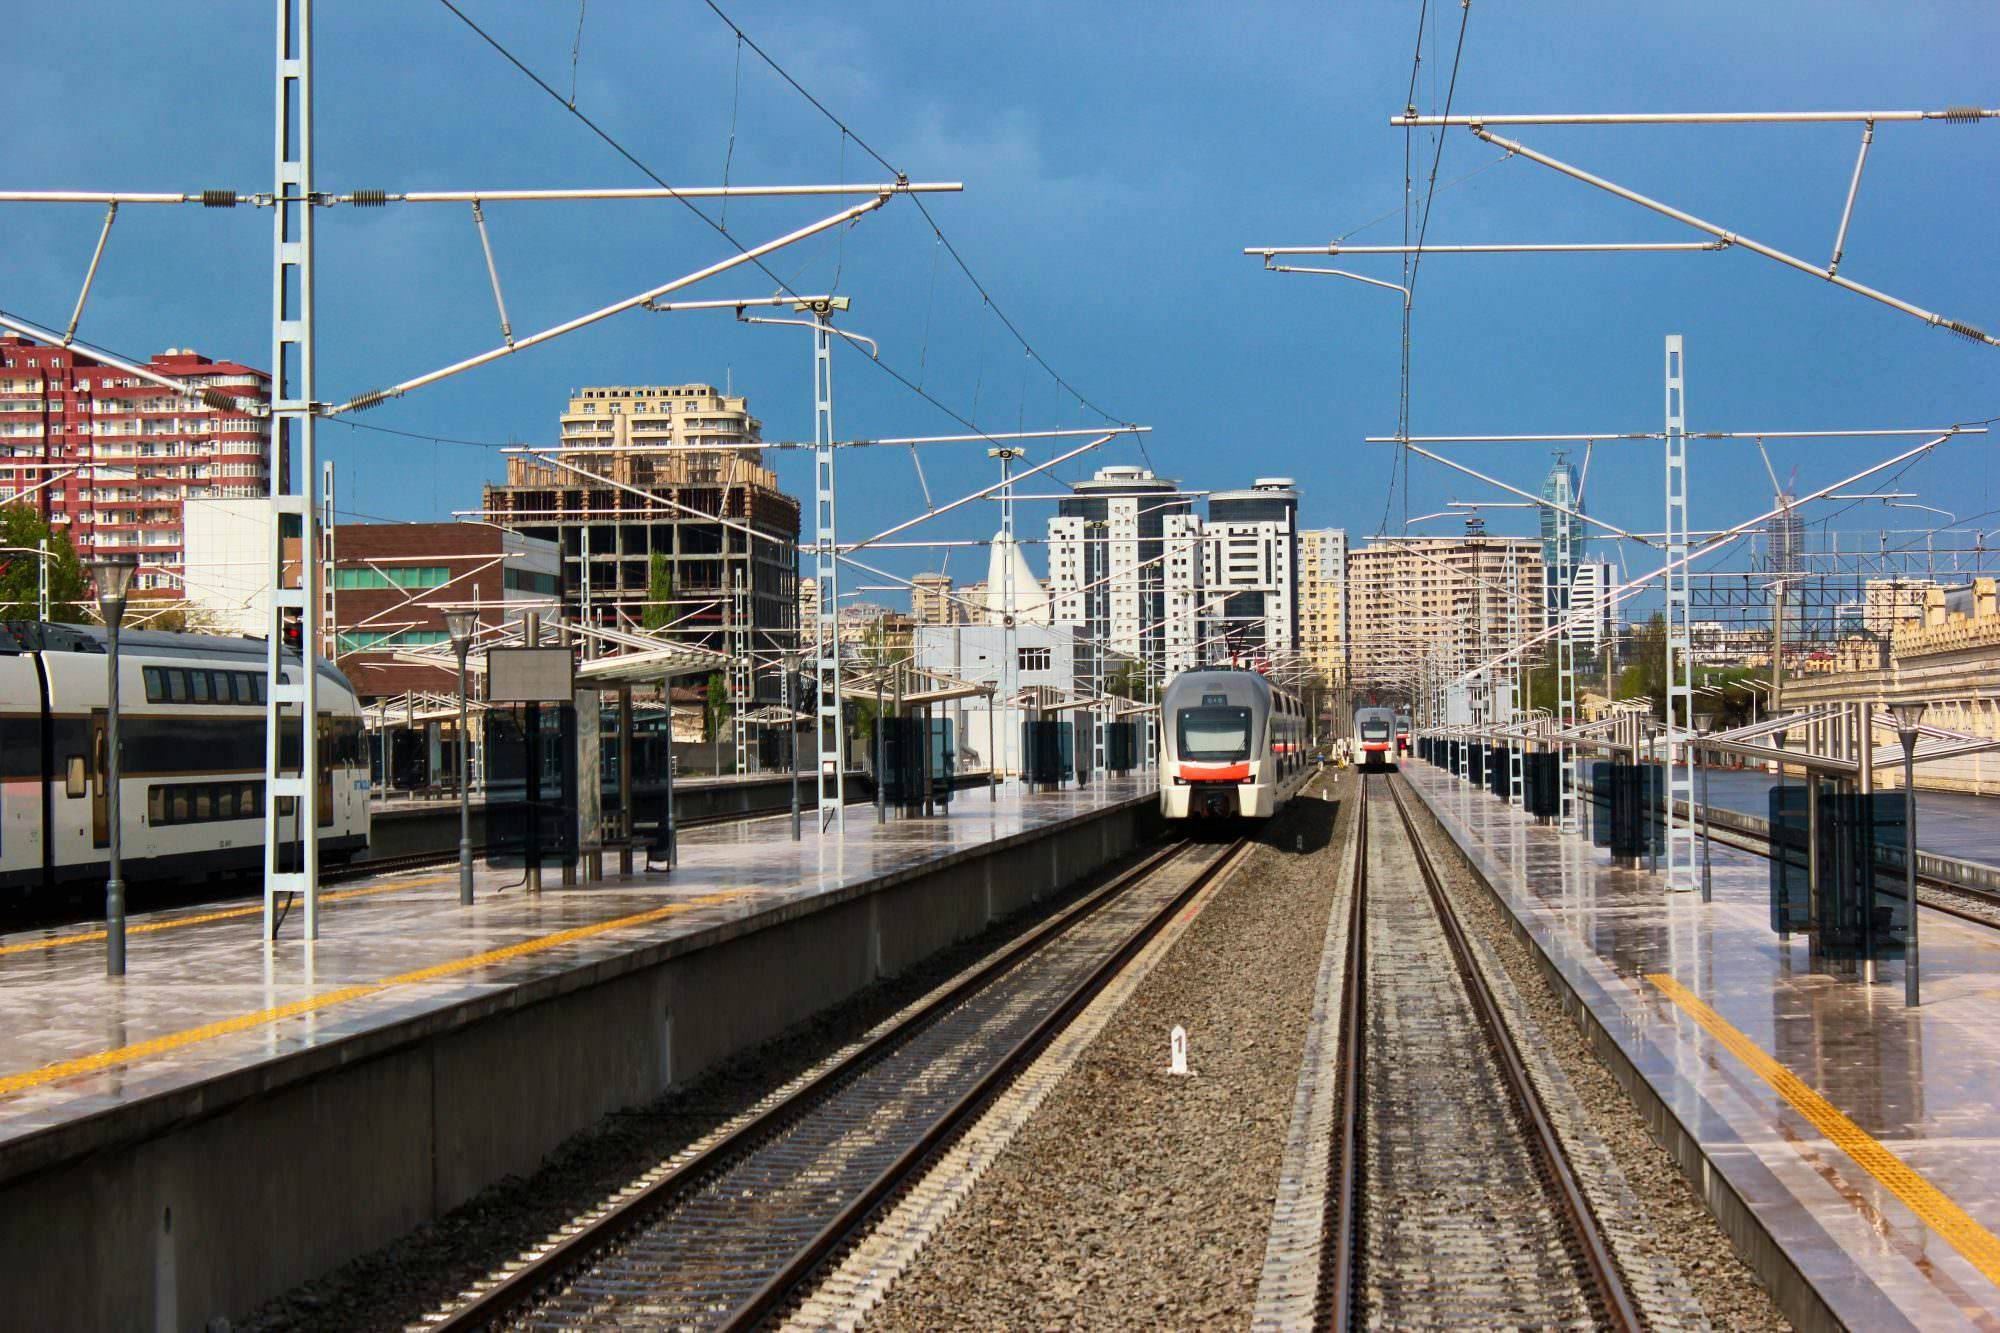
<point x="370" y="198"/>
<point x="1769" y="252"/>
<point x="220" y="399"/>
<point x="1956" y="113"/>
<point x="1551" y="248"/>
<point x="370" y="399"/>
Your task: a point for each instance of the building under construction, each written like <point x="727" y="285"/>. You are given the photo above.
<point x="670" y="471"/>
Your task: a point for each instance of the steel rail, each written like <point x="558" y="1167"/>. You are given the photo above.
<point x="1616" y="1301"/>
<point x="906" y="1167"/>
<point x="585" y="1242"/>
<point x="1337" y="1260"/>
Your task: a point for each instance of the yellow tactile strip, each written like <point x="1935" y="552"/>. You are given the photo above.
<point x="173" y="1041"/>
<point x="1980" y="1247"/>
<point x="221" y="914"/>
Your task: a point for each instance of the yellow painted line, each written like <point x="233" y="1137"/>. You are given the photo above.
<point x="1980" y="1247"/>
<point x="222" y="914"/>
<point x="174" y="1041"/>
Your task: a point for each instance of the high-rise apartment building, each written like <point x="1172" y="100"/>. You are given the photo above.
<point x="1322" y="592"/>
<point x="932" y="603"/>
<point x="1591" y="587"/>
<point x="111" y="458"/>
<point x="1561" y="529"/>
<point x="1787" y="535"/>
<point x="1251" y="564"/>
<point x="1136" y="572"/>
<point x="672" y="471"/>
<point x="1459" y="597"/>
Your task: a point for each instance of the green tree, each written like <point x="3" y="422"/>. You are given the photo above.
<point x="22" y="528"/>
<point x="659" y="592"/>
<point x="1126" y="681"/>
<point x="717" y="710"/>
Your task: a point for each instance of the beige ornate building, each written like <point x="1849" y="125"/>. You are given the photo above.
<point x="1949" y="657"/>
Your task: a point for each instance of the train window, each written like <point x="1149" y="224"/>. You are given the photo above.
<point x="156" y="685"/>
<point x="76" y="781"/>
<point x="198" y="686"/>
<point x="257" y="684"/>
<point x="1214" y="733"/>
<point x="204" y="802"/>
<point x="177" y="686"/>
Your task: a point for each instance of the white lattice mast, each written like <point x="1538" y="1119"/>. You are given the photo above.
<point x="739" y="669"/>
<point x="1680" y="665"/>
<point x="1564" y="602"/>
<point x="293" y="418"/>
<point x="1515" y="708"/>
<point x="832" y="777"/>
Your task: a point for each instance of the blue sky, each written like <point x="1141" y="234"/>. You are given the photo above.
<point x="1116" y="159"/>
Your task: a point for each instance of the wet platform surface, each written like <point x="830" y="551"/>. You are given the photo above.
<point x="1949" y="823"/>
<point x="204" y="997"/>
<point x="405" y="802"/>
<point x="1864" y="1136"/>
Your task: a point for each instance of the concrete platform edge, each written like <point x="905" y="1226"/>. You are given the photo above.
<point x="210" y="1199"/>
<point x="1794" y="1292"/>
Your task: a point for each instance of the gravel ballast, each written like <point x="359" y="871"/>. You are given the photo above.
<point x="1138" y="1199"/>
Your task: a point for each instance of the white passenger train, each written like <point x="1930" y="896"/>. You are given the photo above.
<point x="1233" y="745"/>
<point x="191" y="712"/>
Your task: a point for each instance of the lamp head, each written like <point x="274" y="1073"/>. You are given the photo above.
<point x="112" y="573"/>
<point x="1909" y="716"/>
<point x="463" y="626"/>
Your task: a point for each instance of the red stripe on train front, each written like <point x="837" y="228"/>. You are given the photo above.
<point x="1214" y="772"/>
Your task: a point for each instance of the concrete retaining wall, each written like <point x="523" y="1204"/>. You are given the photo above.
<point x="211" y="1200"/>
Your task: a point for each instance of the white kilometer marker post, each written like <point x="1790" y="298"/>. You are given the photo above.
<point x="1178" y="1043"/>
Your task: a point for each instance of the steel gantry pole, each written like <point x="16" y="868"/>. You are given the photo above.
<point x="1516" y="707"/>
<point x="1563" y="606"/>
<point x="1680" y="664"/>
<point x="293" y="699"/>
<point x="739" y="669"/>
<point x="828" y="727"/>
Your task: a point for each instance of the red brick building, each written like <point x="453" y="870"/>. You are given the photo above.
<point x="125" y="452"/>
<point x="393" y="582"/>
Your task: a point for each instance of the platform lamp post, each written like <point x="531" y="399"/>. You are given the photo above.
<point x="113" y="576"/>
<point x="1909" y="716"/>
<point x="463" y="626"/>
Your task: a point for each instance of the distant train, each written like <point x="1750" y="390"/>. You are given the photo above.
<point x="1234" y="745"/>
<point x="1375" y="740"/>
<point x="1403" y="745"/>
<point x="191" y="714"/>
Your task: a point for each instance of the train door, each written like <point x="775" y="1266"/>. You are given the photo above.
<point x="100" y="798"/>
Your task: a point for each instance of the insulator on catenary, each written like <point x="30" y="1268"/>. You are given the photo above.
<point x="367" y="400"/>
<point x="218" y="198"/>
<point x="1961" y="113"/>
<point x="220" y="401"/>
<point x="1963" y="330"/>
<point x="369" y="198"/>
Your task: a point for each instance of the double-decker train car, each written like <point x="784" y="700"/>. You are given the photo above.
<point x="1233" y="745"/>
<point x="1375" y="737"/>
<point x="191" y="720"/>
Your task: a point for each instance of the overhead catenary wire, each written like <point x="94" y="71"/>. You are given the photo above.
<point x="612" y="142"/>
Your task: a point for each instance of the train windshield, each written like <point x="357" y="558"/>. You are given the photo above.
<point x="1374" y="729"/>
<point x="1215" y="733"/>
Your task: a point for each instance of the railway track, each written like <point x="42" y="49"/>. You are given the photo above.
<point x="1452" y="1201"/>
<point x="734" y="1233"/>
